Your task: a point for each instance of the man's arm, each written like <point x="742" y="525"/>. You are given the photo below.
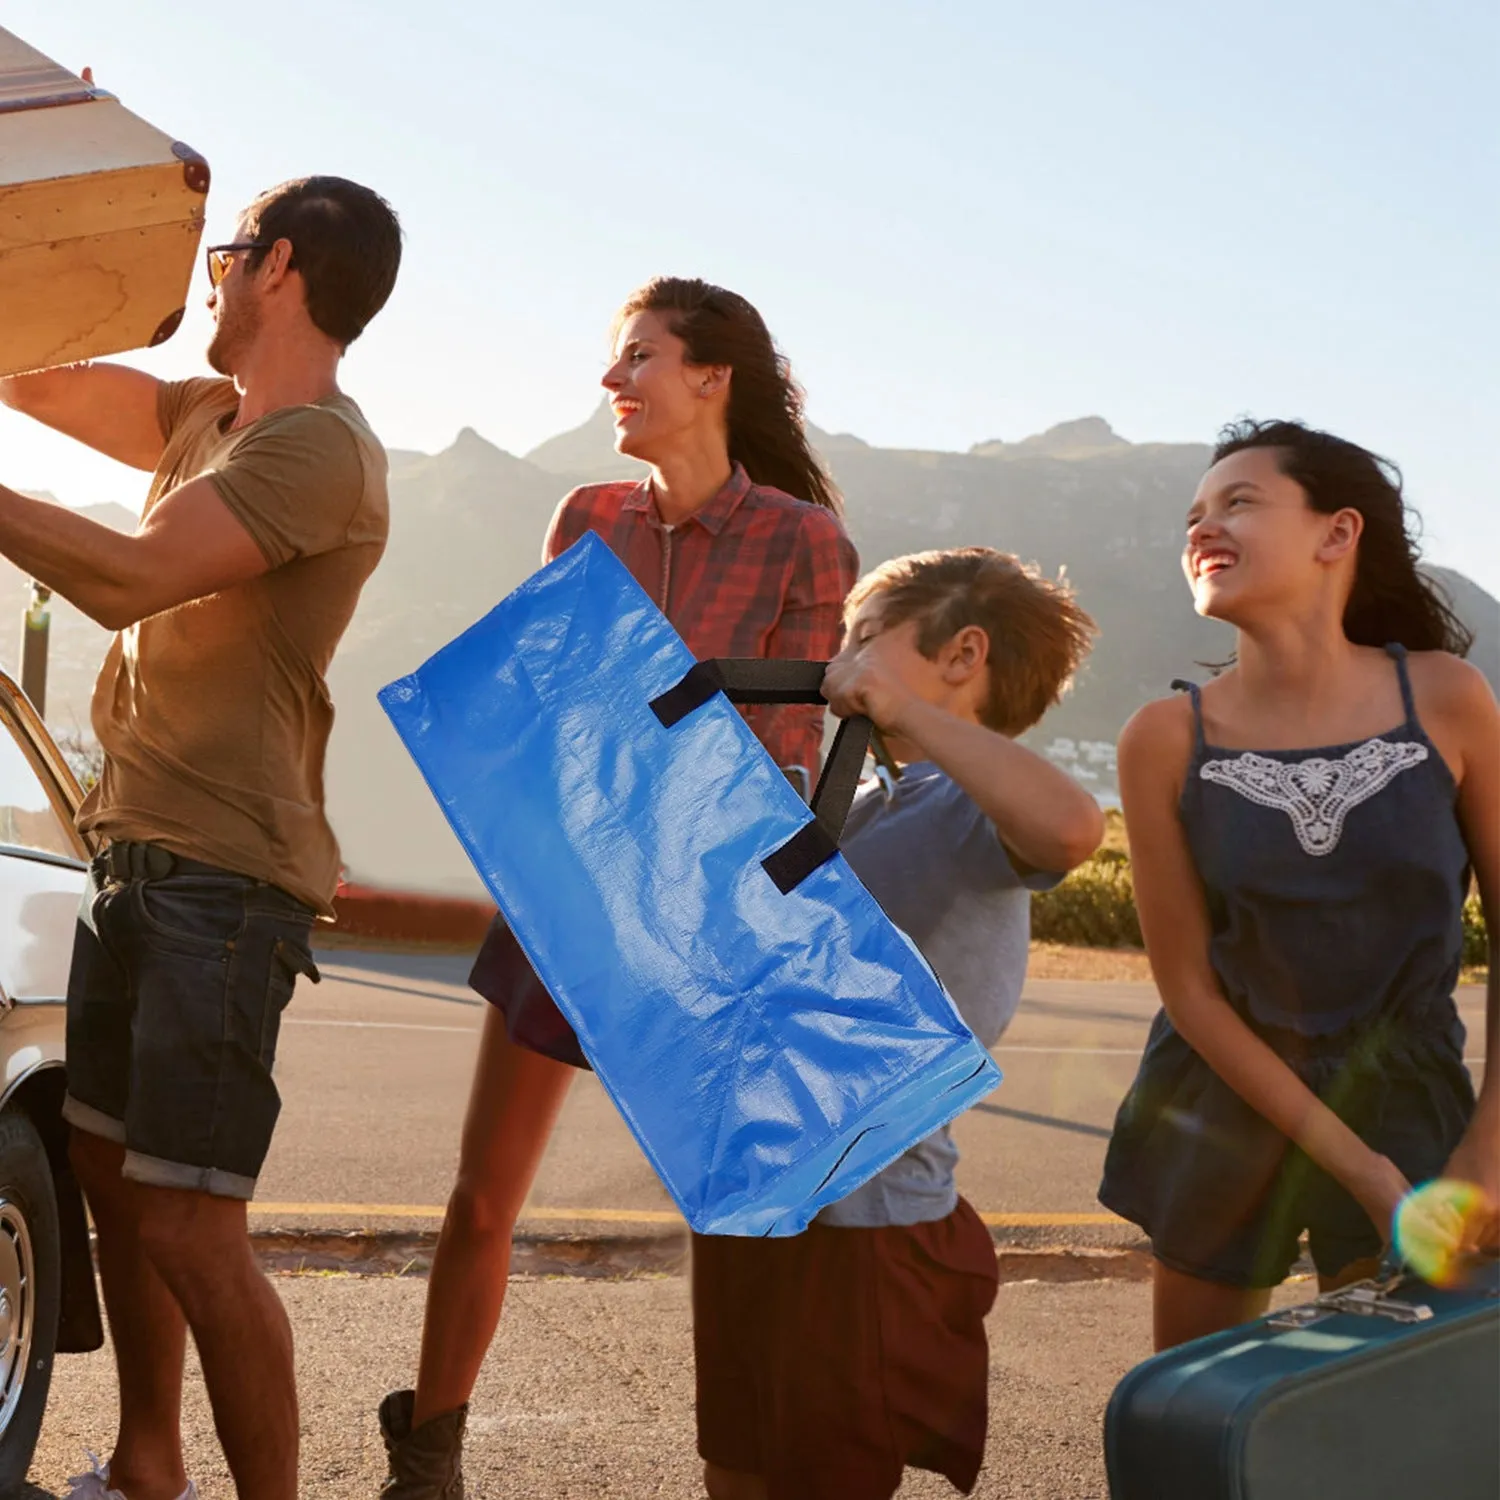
<point x="112" y="408"/>
<point x="190" y="545"/>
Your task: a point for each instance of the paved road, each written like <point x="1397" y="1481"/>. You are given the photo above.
<point x="588" y="1394"/>
<point x="375" y="1065"/>
<point x="588" y="1391"/>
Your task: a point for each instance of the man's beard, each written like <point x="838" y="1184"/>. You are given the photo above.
<point x="239" y="323"/>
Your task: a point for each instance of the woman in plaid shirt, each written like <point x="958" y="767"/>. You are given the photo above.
<point x="736" y="535"/>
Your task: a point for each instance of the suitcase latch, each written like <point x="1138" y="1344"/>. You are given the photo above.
<point x="1365" y="1299"/>
<point x="1369" y="1299"/>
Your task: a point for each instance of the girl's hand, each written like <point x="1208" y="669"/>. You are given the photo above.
<point x="1477" y="1158"/>
<point x="1440" y="1226"/>
<point x="1477" y="1161"/>
<point x="1379" y="1187"/>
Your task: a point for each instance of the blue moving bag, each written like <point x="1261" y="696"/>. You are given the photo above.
<point x="771" y="1049"/>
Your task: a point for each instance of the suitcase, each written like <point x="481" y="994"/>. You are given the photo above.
<point x="769" y="1036"/>
<point x="100" y="218"/>
<point x="1386" y="1390"/>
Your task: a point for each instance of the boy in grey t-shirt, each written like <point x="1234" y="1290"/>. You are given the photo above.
<point x="927" y="852"/>
<point x="828" y="1362"/>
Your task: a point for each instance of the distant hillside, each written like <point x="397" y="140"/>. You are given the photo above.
<point x="586" y="454"/>
<point x="468" y="524"/>
<point x="467" y="527"/>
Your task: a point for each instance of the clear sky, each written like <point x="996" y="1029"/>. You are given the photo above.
<point x="963" y="219"/>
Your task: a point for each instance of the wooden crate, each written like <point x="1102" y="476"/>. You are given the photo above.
<point x="100" y="218"/>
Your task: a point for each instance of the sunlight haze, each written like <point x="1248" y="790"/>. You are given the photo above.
<point x="962" y="221"/>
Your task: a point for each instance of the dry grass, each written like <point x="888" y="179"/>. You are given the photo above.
<point x="1062" y="961"/>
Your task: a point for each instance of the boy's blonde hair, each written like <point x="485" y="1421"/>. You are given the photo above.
<point x="1038" y="634"/>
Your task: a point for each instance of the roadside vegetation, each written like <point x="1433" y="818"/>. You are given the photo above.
<point x="1094" y="908"/>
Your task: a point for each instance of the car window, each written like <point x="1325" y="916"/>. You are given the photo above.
<point x="27" y="817"/>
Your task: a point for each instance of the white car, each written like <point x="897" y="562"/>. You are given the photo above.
<point x="48" y="1301"/>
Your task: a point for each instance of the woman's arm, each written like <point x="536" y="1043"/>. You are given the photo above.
<point x="1468" y="706"/>
<point x="1155" y="749"/>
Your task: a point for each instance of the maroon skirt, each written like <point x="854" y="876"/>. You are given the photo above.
<point x="829" y="1361"/>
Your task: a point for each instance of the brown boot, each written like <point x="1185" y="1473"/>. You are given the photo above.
<point x="426" y="1464"/>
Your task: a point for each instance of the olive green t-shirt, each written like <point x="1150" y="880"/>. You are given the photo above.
<point x="214" y="716"/>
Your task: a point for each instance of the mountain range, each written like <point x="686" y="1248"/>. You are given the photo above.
<point x="467" y="527"/>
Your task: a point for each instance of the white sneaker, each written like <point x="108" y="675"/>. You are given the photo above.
<point x="95" y="1484"/>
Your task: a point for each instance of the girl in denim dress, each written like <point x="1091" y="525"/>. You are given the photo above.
<point x="1303" y="831"/>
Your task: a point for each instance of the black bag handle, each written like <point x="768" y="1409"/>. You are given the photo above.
<point x="752" y="680"/>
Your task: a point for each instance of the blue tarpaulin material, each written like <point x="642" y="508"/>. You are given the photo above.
<point x="770" y="1051"/>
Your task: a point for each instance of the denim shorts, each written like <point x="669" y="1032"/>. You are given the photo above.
<point x="174" y="1005"/>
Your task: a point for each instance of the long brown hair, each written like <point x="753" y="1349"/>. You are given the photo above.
<point x="766" y="431"/>
<point x="1392" y="599"/>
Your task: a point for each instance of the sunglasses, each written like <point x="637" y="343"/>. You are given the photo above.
<point x="221" y="257"/>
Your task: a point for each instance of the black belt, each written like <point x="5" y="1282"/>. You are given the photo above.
<point x="126" y="860"/>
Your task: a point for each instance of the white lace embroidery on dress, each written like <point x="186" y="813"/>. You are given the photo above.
<point x="1317" y="794"/>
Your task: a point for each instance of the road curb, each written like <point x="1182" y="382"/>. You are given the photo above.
<point x="404" y="1252"/>
<point x="408" y="1253"/>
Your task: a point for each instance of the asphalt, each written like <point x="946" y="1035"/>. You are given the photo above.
<point x="588" y="1392"/>
<point x="374" y="1070"/>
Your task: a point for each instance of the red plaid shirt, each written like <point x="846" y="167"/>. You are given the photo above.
<point x="753" y="573"/>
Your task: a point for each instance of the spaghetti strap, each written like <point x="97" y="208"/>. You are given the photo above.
<point x="1181" y="685"/>
<point x="1397" y="652"/>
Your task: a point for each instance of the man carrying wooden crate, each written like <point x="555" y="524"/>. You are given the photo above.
<point x="266" y="513"/>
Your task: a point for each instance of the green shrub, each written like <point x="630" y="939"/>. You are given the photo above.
<point x="1093" y="908"/>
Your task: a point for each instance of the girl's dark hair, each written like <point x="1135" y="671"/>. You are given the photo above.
<point x="1392" y="599"/>
<point x="766" y="432"/>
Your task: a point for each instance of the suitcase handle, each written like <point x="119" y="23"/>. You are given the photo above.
<point x="766" y="680"/>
